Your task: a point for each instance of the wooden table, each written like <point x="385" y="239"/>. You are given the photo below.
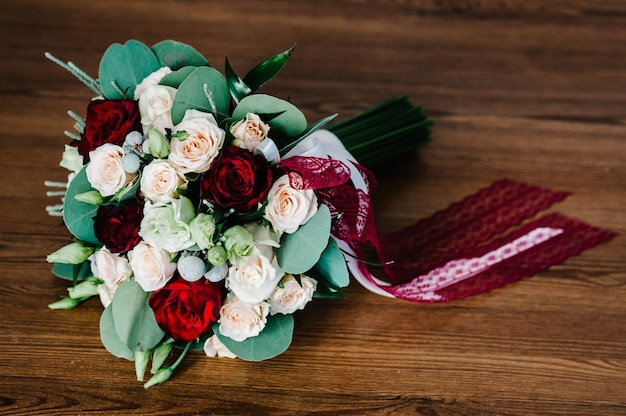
<point x="534" y="91"/>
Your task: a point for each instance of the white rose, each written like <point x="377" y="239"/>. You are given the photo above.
<point x="255" y="278"/>
<point x="151" y="266"/>
<point x="155" y="107"/>
<point x="240" y="320"/>
<point x="152" y="79"/>
<point x="201" y="146"/>
<point x="292" y="296"/>
<point x="249" y="132"/>
<point x="110" y="267"/>
<point x="105" y="171"/>
<point x="289" y="208"/>
<point x="213" y="347"/>
<point x="106" y="293"/>
<point x="160" y="181"/>
<point x="263" y="235"/>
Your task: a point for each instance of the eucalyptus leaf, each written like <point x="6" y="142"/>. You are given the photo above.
<point x="109" y="337"/>
<point x="177" y="54"/>
<point x="289" y="123"/>
<point x="174" y="79"/>
<point x="332" y="265"/>
<point x="77" y="215"/>
<point x="301" y="250"/>
<point x="66" y="271"/>
<point x="273" y="340"/>
<point x="122" y="67"/>
<point x="267" y="69"/>
<point x="205" y="90"/>
<point x="134" y="319"/>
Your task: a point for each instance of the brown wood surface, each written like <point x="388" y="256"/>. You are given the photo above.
<point x="532" y="90"/>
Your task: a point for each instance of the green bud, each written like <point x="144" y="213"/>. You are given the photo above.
<point x="184" y="209"/>
<point x="180" y="135"/>
<point x="141" y="363"/>
<point x="202" y="230"/>
<point x="71" y="159"/>
<point x="216" y="255"/>
<point x="161" y="376"/>
<point x="238" y="243"/>
<point x="90" y="197"/>
<point x="157" y="145"/>
<point x="85" y="289"/>
<point x="73" y="253"/>
<point x="159" y="356"/>
<point x="65" y="303"/>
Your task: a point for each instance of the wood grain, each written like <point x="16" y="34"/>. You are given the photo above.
<point x="531" y="90"/>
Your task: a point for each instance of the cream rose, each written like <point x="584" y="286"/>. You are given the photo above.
<point x="240" y="320"/>
<point x="152" y="79"/>
<point x="292" y="296"/>
<point x="249" y="132"/>
<point x="202" y="143"/>
<point x="254" y="279"/>
<point x="213" y="347"/>
<point x="289" y="208"/>
<point x="112" y="269"/>
<point x="151" y="266"/>
<point x="155" y="107"/>
<point x="105" y="171"/>
<point x="160" y="181"/>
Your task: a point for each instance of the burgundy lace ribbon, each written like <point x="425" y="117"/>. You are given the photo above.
<point x="480" y="243"/>
<point x="467" y="233"/>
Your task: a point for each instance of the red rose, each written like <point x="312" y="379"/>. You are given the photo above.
<point x="108" y="121"/>
<point x="117" y="227"/>
<point x="237" y="179"/>
<point x="185" y="310"/>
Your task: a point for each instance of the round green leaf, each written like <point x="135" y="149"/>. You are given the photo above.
<point x="273" y="340"/>
<point x="177" y="55"/>
<point x="134" y="319"/>
<point x="174" y="79"/>
<point x="194" y="93"/>
<point x="78" y="216"/>
<point x="66" y="271"/>
<point x="110" y="339"/>
<point x="125" y="66"/>
<point x="288" y="122"/>
<point x="333" y="266"/>
<point x="301" y="250"/>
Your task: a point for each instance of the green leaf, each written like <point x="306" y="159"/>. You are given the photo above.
<point x="273" y="340"/>
<point x="301" y="250"/>
<point x="174" y="79"/>
<point x="309" y="130"/>
<point x="238" y="89"/>
<point x="332" y="265"/>
<point x="77" y="215"/>
<point x="122" y="67"/>
<point x="195" y="90"/>
<point x="267" y="69"/>
<point x="288" y="123"/>
<point x="109" y="337"/>
<point x="177" y="55"/>
<point x="134" y="319"/>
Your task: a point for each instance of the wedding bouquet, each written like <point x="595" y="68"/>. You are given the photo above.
<point x="203" y="213"/>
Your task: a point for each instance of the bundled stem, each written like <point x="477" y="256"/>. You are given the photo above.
<point x="384" y="131"/>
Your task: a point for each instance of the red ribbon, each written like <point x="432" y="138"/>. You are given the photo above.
<point x="448" y="255"/>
